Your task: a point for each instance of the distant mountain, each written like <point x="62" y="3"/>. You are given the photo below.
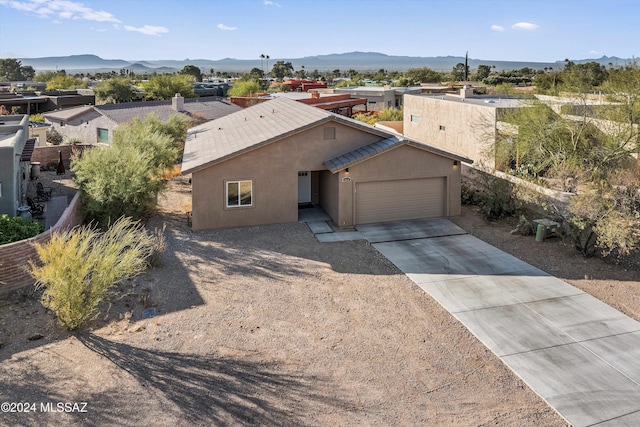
<point x="359" y="61"/>
<point x="73" y="62"/>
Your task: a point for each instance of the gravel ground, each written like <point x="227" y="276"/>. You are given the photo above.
<point x="267" y="326"/>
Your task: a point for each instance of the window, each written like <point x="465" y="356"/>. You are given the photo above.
<point x="239" y="193"/>
<point x="415" y="119"/>
<point x="103" y="136"/>
<point x="329" y="133"/>
<point x="441" y="127"/>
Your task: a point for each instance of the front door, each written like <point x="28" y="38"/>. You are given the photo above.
<point x="304" y="187"/>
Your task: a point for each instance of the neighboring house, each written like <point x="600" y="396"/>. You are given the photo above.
<point x="31" y="102"/>
<point x="258" y="165"/>
<point x="463" y="124"/>
<point x="38" y="131"/>
<point x="15" y="158"/>
<point x="337" y="103"/>
<point x="95" y="124"/>
<point x="379" y="97"/>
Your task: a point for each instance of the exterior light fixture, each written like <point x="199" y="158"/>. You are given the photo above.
<point x="455" y="163"/>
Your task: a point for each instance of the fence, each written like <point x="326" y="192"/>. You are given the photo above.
<point x="15" y="257"/>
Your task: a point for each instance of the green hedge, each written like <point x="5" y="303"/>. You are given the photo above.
<point x="16" y="228"/>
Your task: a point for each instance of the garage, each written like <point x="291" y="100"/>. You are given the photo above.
<point x="380" y="201"/>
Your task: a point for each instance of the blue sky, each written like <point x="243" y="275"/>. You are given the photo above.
<point x="515" y="30"/>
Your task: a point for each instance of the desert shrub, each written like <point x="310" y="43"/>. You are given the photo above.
<point x="494" y="196"/>
<point x="54" y="137"/>
<point x="16" y="228"/>
<point x="469" y="195"/>
<point x="611" y="211"/>
<point x="79" y="266"/>
<point x="124" y="180"/>
<point x="524" y="227"/>
<point x="497" y="201"/>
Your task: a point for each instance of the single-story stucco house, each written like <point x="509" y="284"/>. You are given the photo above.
<point x="95" y="124"/>
<point x="258" y="165"/>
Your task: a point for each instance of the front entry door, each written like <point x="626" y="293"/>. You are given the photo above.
<point x="304" y="187"/>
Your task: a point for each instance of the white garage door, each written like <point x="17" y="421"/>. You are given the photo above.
<point x="395" y="200"/>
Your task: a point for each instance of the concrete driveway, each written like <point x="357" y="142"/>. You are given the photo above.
<point x="579" y="354"/>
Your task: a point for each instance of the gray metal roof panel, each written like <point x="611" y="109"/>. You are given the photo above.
<point x="248" y="129"/>
<point x="363" y="153"/>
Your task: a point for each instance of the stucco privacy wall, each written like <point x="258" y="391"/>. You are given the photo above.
<point x="274" y="171"/>
<point x="460" y="127"/>
<point x="14" y="257"/>
<point x="49" y="154"/>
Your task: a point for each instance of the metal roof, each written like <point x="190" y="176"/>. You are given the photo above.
<point x="363" y="153"/>
<point x="254" y="127"/>
<point x="68" y="113"/>
<point x="210" y="108"/>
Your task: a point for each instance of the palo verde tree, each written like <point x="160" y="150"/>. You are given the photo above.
<point x="422" y="75"/>
<point x="124" y="179"/>
<point x="165" y="86"/>
<point x="63" y="81"/>
<point x="115" y="91"/>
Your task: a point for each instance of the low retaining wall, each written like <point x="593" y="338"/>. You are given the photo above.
<point x="560" y="199"/>
<point x="49" y="154"/>
<point x="15" y="257"/>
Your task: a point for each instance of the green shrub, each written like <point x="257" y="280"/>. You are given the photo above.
<point x="16" y="228"/>
<point x="124" y="179"/>
<point x="54" y="137"/>
<point x="79" y="266"/>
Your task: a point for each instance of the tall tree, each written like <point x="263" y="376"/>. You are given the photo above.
<point x="483" y="72"/>
<point x="12" y="70"/>
<point x="281" y="69"/>
<point x="192" y="70"/>
<point x="165" y="86"/>
<point x="62" y="81"/>
<point x="114" y="91"/>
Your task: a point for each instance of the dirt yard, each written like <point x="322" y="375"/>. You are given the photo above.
<point x="267" y="326"/>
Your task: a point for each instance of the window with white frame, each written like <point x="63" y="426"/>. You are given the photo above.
<point x="239" y="193"/>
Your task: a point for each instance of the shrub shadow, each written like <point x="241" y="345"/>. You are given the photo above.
<point x="210" y="390"/>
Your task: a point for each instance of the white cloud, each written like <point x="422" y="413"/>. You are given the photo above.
<point x="63" y="9"/>
<point x="226" y="27"/>
<point x="497" y="28"/>
<point x="149" y="30"/>
<point x="525" y="26"/>
<point x="271" y="3"/>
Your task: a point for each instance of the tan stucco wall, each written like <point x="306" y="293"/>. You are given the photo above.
<point x="85" y="127"/>
<point x="469" y="128"/>
<point x="329" y="183"/>
<point x="404" y="162"/>
<point x="274" y="171"/>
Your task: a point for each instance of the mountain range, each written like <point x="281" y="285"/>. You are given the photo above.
<point x="359" y="61"/>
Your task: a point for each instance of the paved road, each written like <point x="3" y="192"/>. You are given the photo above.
<point x="576" y="352"/>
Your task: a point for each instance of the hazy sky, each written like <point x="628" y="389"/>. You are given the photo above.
<point x="515" y="30"/>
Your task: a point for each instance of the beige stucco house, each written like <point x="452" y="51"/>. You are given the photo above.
<point x="95" y="124"/>
<point x="258" y="165"/>
<point x="463" y="124"/>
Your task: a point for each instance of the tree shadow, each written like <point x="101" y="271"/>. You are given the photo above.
<point x="210" y="390"/>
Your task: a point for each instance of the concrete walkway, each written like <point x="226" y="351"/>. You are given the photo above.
<point x="576" y="352"/>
